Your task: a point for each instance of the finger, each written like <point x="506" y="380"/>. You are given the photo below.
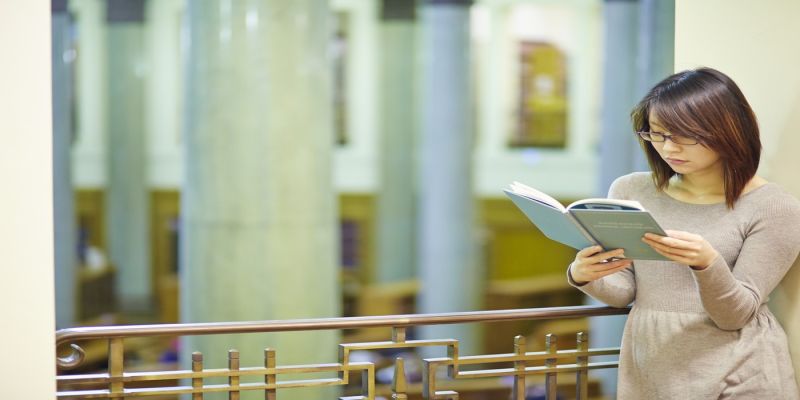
<point x="600" y="257"/>
<point x="677" y="257"/>
<point x="612" y="270"/>
<point x="670" y="243"/>
<point x="589" y="251"/>
<point x="605" y="266"/>
<point x="682" y="235"/>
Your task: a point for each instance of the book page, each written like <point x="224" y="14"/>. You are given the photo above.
<point x="606" y="204"/>
<point x="533" y="194"/>
<point x="552" y="222"/>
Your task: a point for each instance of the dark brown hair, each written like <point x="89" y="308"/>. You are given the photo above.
<point x="708" y="105"/>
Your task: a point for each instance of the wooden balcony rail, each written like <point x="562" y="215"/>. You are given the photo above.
<point x="117" y="383"/>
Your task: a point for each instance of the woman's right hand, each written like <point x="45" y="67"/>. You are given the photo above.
<point x="592" y="263"/>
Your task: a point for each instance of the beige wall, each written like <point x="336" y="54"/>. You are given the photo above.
<point x="755" y="42"/>
<point x="27" y="370"/>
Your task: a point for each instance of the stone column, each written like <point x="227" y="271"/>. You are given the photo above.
<point x="639" y="52"/>
<point x="127" y="201"/>
<point x="448" y="265"/>
<point x="66" y="257"/>
<point x="618" y="146"/>
<point x="620" y="91"/>
<point x="656" y="51"/>
<point x="396" y="214"/>
<point x="259" y="232"/>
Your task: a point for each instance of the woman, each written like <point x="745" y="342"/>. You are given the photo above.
<point x="699" y="327"/>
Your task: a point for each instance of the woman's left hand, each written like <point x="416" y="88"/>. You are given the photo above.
<point x="683" y="247"/>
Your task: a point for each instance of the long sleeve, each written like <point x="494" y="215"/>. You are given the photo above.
<point x="732" y="297"/>
<point x="618" y="289"/>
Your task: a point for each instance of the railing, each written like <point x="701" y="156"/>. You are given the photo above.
<point x="116" y="382"/>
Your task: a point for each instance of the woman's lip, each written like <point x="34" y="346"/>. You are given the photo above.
<point x="675" y="161"/>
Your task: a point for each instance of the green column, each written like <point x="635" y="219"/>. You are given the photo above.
<point x="395" y="256"/>
<point x="66" y="257"/>
<point x="449" y="267"/>
<point x="259" y="224"/>
<point x="127" y="201"/>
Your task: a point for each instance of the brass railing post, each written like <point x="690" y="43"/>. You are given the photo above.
<point x="344" y="359"/>
<point x="452" y="354"/>
<point x="582" y="378"/>
<point x="197" y="382"/>
<point x="270" y="378"/>
<point x="116" y="361"/>
<point x="551" y="384"/>
<point x="398" y="334"/>
<point x="399" y="386"/>
<point x="428" y="379"/>
<point x="233" y="380"/>
<point x="518" y="391"/>
<point x="368" y="382"/>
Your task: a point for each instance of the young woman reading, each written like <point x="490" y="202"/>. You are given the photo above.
<point x="700" y="327"/>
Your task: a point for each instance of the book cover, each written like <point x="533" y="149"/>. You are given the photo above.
<point x="610" y="223"/>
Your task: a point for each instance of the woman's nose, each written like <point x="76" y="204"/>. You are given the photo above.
<point x="671" y="146"/>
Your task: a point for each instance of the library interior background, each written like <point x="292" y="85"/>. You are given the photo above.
<point x="226" y="160"/>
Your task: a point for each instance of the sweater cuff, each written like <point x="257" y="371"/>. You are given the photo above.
<point x="717" y="277"/>
<point x="572" y="280"/>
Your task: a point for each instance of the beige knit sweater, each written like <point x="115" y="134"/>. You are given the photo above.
<point x="707" y="334"/>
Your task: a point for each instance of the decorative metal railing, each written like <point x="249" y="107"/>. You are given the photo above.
<point x="118" y="383"/>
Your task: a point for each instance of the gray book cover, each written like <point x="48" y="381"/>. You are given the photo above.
<point x="584" y="227"/>
<point x="614" y="229"/>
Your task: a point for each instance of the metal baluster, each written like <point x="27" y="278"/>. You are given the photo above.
<point x="368" y="383"/>
<point x="428" y="380"/>
<point x="551" y="388"/>
<point x="399" y="386"/>
<point x="582" y="378"/>
<point x="518" y="391"/>
<point x="452" y="353"/>
<point x="233" y="380"/>
<point x="270" y="378"/>
<point x="116" y="360"/>
<point x="398" y="334"/>
<point x="197" y="382"/>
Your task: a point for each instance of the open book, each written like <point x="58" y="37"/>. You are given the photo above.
<point x="612" y="224"/>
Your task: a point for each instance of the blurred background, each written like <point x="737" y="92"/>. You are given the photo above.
<point x="226" y="160"/>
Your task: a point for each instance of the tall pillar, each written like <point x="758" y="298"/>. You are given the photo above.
<point x="398" y="126"/>
<point x="639" y="52"/>
<point x="127" y="190"/>
<point x="66" y="257"/>
<point x="259" y="228"/>
<point x="618" y="146"/>
<point x="656" y="51"/>
<point x="448" y="262"/>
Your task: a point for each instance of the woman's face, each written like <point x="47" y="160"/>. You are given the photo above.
<point x="685" y="159"/>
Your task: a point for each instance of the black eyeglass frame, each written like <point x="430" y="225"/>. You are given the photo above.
<point x="656" y="137"/>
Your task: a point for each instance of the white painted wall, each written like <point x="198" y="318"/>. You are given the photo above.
<point x="756" y="43"/>
<point x="26" y="205"/>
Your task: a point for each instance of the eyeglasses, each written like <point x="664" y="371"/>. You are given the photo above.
<point x="661" y="138"/>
